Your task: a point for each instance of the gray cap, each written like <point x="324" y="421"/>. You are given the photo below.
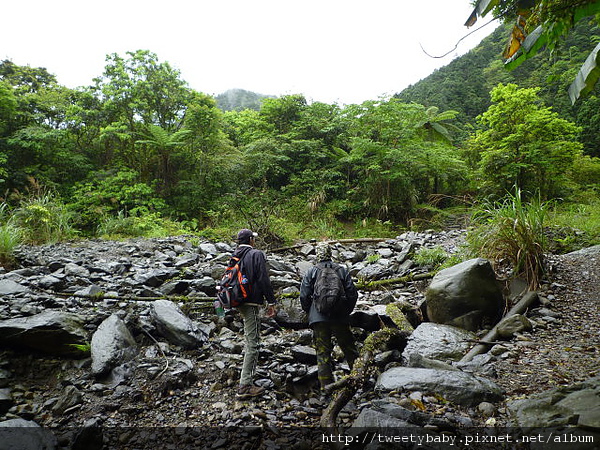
<point x="323" y="251"/>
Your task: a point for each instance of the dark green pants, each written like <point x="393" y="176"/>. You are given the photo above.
<point x="322" y="337"/>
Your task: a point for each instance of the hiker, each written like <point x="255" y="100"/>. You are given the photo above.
<point x="336" y="322"/>
<point x="255" y="269"/>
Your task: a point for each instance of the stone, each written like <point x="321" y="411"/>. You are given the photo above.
<point x="10" y="287"/>
<point x="456" y="386"/>
<point x="304" y="354"/>
<point x="436" y="341"/>
<point x="112" y="344"/>
<point x="174" y="325"/>
<point x="50" y="332"/>
<point x="575" y="405"/>
<point x="509" y="326"/>
<point x="466" y="295"/>
<point x="26" y="435"/>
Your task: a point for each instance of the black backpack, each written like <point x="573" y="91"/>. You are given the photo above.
<point x="233" y="288"/>
<point x="328" y="292"/>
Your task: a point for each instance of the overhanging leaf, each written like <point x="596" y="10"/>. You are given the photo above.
<point x="531" y="45"/>
<point x="482" y="7"/>
<point x="587" y="77"/>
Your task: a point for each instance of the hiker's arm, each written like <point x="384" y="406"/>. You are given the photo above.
<point x="306" y="290"/>
<point x="263" y="278"/>
<point x="349" y="289"/>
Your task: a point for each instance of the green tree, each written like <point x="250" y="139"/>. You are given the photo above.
<point x="35" y="140"/>
<point x="135" y="92"/>
<point x="161" y="144"/>
<point x="522" y="144"/>
<point x="399" y="154"/>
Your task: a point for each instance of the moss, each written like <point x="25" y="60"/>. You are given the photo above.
<point x="396" y="313"/>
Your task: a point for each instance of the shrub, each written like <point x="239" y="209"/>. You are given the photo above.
<point x="43" y="218"/>
<point x="431" y="256"/>
<point x="511" y="231"/>
<point x="148" y="225"/>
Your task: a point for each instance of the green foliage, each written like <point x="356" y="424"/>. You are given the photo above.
<point x="575" y="225"/>
<point x="108" y="194"/>
<point x="511" y="231"/>
<point x="430" y="256"/>
<point x="10" y="237"/>
<point x="44" y="218"/>
<point x="523" y="144"/>
<point x="85" y="349"/>
<point x="372" y="259"/>
<point x="146" y="224"/>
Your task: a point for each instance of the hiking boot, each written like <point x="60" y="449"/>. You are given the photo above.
<point x="249" y="391"/>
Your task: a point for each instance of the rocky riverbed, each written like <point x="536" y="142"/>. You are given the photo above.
<point x="175" y="367"/>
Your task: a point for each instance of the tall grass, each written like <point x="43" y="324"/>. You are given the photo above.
<point x="42" y="218"/>
<point x="10" y="237"/>
<point x="512" y="231"/>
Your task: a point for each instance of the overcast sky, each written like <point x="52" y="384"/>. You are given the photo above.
<point x="333" y="51"/>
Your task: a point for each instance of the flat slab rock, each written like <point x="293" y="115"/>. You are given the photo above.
<point x="458" y="387"/>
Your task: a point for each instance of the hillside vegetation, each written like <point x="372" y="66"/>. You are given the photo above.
<point x="140" y="153"/>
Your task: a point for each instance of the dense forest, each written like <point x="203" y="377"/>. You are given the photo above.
<point x="138" y="152"/>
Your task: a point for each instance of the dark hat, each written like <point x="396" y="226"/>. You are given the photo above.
<point x="323" y="251"/>
<point x="244" y="235"/>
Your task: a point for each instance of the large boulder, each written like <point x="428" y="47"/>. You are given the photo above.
<point x="112" y="344"/>
<point x="466" y="295"/>
<point x="51" y="332"/>
<point x="175" y="326"/>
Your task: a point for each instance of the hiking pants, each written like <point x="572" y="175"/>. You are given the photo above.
<point x="322" y="334"/>
<point x="251" y="317"/>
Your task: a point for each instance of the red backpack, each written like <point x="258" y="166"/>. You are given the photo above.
<point x="234" y="288"/>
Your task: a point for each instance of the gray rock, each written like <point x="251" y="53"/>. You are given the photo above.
<point x="304" y="354"/>
<point x="50" y="332"/>
<point x="10" y="287"/>
<point x="50" y="282"/>
<point x="76" y="270"/>
<point x="185" y="261"/>
<point x="458" y="387"/>
<point x="175" y="326"/>
<point x="6" y="400"/>
<point x="71" y="396"/>
<point x="578" y="404"/>
<point x="112" y="344"/>
<point x="90" y="290"/>
<point x="208" y="249"/>
<point x="302" y="267"/>
<point x="23" y="434"/>
<point x="517" y="323"/>
<point x="465" y="295"/>
<point x="155" y="277"/>
<point x="370" y="418"/>
<point x="436" y="341"/>
<point x="374" y="272"/>
<point x="176" y="287"/>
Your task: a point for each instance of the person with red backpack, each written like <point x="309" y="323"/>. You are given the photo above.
<point x="328" y="295"/>
<point x="255" y="278"/>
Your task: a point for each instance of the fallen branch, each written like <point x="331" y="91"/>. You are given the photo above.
<point x="341" y="241"/>
<point x="488" y="340"/>
<point x="363" y="369"/>
<point x="102" y="296"/>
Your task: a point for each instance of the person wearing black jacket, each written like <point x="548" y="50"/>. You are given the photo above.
<point x="254" y="267"/>
<point x="336" y="324"/>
